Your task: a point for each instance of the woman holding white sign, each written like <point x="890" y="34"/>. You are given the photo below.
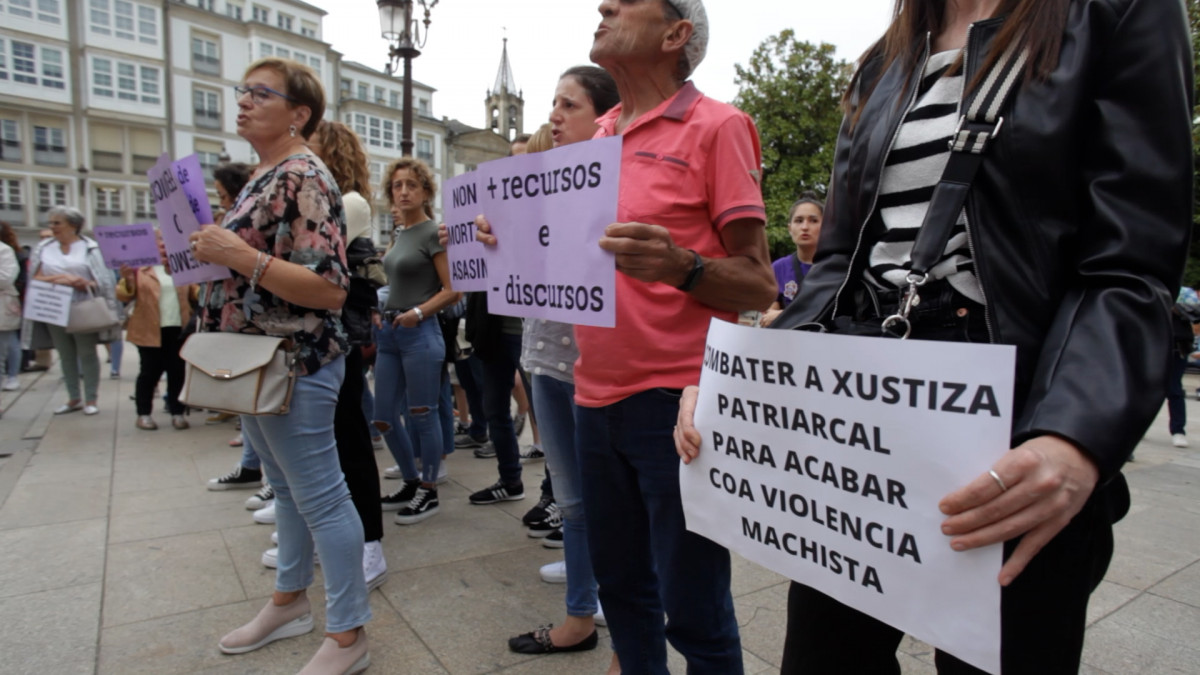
<point x="282" y="239"/>
<point x="1070" y="123"/>
<point x="70" y="259"/>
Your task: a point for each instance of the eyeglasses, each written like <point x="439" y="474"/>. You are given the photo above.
<point x="259" y="95"/>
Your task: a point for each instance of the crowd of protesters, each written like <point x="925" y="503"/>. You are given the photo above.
<point x="1049" y="256"/>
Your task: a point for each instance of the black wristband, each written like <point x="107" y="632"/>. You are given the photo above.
<point x="693" y="276"/>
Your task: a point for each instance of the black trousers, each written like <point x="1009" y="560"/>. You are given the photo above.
<point x="154" y="362"/>
<point x="355" y="453"/>
<point x="1042" y="613"/>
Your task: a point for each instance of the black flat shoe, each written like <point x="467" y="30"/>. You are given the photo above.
<point x="538" y="642"/>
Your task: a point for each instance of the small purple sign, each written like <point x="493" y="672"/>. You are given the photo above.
<point x="177" y="221"/>
<point x="191" y="178"/>
<point x="549" y="211"/>
<point x="133" y="245"/>
<point x="468" y="258"/>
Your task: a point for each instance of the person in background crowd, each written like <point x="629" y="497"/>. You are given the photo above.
<point x="71" y="259"/>
<point x="1184" y="314"/>
<point x="283" y="241"/>
<point x="12" y="289"/>
<point x="410" y="351"/>
<point x="689" y="173"/>
<point x="343" y="153"/>
<point x="804" y="225"/>
<point x="160" y="311"/>
<point x="229" y="179"/>
<point x="1070" y="247"/>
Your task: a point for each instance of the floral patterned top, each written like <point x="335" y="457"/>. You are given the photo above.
<point x="294" y="212"/>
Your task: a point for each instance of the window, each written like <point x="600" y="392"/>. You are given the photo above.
<point x="308" y="29"/>
<point x="425" y="149"/>
<point x="143" y="206"/>
<point x="125" y="20"/>
<point x="234" y="10"/>
<point x="49" y="146"/>
<point x="283" y="53"/>
<point x="10" y="141"/>
<point x="49" y="11"/>
<point x="24" y="63"/>
<point x="374" y="135"/>
<point x="147" y="145"/>
<point x="315" y="63"/>
<point x="208" y="152"/>
<point x="376" y="169"/>
<point x="109" y="210"/>
<point x="394" y="100"/>
<point x="21" y="8"/>
<point x="3" y="60"/>
<point x="52" y="68"/>
<point x="265" y="50"/>
<point x="261" y="13"/>
<point x="360" y="125"/>
<point x="206" y="105"/>
<point x="12" y="206"/>
<point x="205" y="4"/>
<point x="150" y="85"/>
<point x="379" y="95"/>
<point x="283" y="21"/>
<point x="51" y="195"/>
<point x="106" y="143"/>
<point x="346" y="87"/>
<point x="389" y="134"/>
<point x="423" y="106"/>
<point x="206" y="58"/>
<point x="362" y="91"/>
<point x="134" y="83"/>
<point x="102" y="79"/>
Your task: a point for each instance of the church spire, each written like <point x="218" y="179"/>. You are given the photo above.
<point x="504" y="76"/>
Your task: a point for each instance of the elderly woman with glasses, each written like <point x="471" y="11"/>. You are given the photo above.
<point x="283" y="241"/>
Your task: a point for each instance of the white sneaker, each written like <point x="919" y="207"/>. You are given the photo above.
<point x="374" y="566"/>
<point x="270" y="558"/>
<point x="393" y="472"/>
<point x="266" y="515"/>
<point x="275" y="537"/>
<point x="443" y="473"/>
<point x="1179" y="441"/>
<point x="378" y="444"/>
<point x="598" y="617"/>
<point x="11" y="384"/>
<point x="554" y="573"/>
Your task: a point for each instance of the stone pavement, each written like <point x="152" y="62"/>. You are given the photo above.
<point x="115" y="559"/>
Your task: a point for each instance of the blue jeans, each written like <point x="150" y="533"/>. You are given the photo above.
<point x="250" y="458"/>
<point x="312" y="502"/>
<point x="446" y="412"/>
<point x="554" y="403"/>
<point x="408" y="365"/>
<point x="645" y="559"/>
<point x="10" y="346"/>
<point x="116" y="351"/>
<point x="1176" y="408"/>
<point x="498" y="374"/>
<point x="368" y="402"/>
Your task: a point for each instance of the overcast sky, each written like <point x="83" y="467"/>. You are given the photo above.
<point x="546" y="37"/>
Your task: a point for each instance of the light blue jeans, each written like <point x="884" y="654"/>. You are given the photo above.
<point x="10" y="346"/>
<point x="312" y="502"/>
<point x="554" y="405"/>
<point x="408" y="365"/>
<point x="250" y="458"/>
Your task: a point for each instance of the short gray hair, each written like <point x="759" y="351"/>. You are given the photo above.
<point x="697" y="46"/>
<point x="72" y="215"/>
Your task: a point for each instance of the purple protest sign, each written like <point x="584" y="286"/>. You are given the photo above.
<point x="548" y="211"/>
<point x="191" y="178"/>
<point x="133" y="245"/>
<point x="177" y="221"/>
<point x="468" y="258"/>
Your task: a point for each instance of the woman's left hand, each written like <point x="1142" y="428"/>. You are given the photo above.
<point x="76" y="282"/>
<point x="407" y="320"/>
<point x="213" y="244"/>
<point x="1046" y="481"/>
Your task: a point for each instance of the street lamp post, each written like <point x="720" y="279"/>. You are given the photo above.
<point x="406" y="38"/>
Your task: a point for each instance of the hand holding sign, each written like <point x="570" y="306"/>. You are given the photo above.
<point x="172" y="206"/>
<point x="647" y="253"/>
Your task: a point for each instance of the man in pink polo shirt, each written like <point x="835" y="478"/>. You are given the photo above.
<point x="690" y="245"/>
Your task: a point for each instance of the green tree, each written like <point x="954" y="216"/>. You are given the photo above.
<point x="793" y="91"/>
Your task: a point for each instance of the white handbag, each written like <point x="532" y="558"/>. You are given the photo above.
<point x="238" y="373"/>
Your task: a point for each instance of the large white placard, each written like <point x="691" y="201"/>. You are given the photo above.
<point x="48" y="303"/>
<point x="824" y="458"/>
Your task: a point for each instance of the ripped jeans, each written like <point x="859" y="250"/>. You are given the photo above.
<point x="408" y="380"/>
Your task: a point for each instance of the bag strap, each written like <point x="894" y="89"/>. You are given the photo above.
<point x="977" y="128"/>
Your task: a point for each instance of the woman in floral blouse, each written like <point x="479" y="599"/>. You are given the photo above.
<point x="283" y="242"/>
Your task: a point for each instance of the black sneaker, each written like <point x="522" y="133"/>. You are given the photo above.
<point x="465" y="440"/>
<point x="540" y="511"/>
<point x="423" y="505"/>
<point x="400" y="498"/>
<point x="240" y="478"/>
<point x="553" y="523"/>
<point x="533" y="453"/>
<point x="553" y="540"/>
<point x="486" y="451"/>
<point x="499" y="492"/>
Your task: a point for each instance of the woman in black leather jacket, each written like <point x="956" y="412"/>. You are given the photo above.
<point x="1069" y="247"/>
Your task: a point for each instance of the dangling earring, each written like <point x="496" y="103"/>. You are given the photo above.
<point x="292" y="130"/>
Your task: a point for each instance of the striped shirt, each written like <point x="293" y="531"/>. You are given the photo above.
<point x="913" y="168"/>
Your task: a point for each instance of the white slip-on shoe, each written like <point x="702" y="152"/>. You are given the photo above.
<point x="331" y="659"/>
<point x="554" y="573"/>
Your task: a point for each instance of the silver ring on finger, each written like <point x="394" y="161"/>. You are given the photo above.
<point x="192" y="245"/>
<point x="999" y="481"/>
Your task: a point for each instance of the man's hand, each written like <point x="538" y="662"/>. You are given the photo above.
<point x="647" y="253"/>
<point x="687" y="437"/>
<point x="1048" y="480"/>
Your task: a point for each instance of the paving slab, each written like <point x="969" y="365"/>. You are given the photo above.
<point x="46" y="557"/>
<point x="1183" y="586"/>
<point x="53" y="631"/>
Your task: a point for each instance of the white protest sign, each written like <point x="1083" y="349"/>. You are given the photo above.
<point x="824" y="458"/>
<point x="176" y="222"/>
<point x="468" y="258"/>
<point x="548" y="211"/>
<point x="48" y="303"/>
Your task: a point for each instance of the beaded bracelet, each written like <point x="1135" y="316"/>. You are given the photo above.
<point x="259" y="266"/>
